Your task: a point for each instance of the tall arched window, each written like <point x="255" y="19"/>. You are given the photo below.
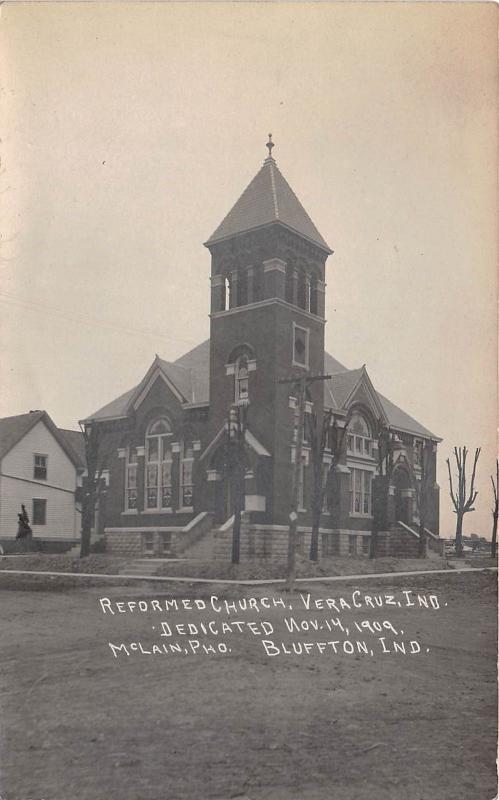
<point x="359" y="446"/>
<point x="186" y="468"/>
<point x="158" y="465"/>
<point x="359" y="442"/>
<point x="241" y="388"/>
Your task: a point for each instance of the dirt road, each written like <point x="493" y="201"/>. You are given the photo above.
<point x="80" y="722"/>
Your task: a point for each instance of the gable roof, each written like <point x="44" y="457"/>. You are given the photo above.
<point x="76" y="441"/>
<point x="190" y="374"/>
<point x="197" y="361"/>
<point x="342" y="383"/>
<point x="268" y="198"/>
<point x="13" y="429"/>
<point x="115" y="409"/>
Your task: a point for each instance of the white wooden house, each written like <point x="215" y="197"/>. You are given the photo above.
<point x="41" y="467"/>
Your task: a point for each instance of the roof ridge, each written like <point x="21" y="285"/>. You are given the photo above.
<point x="274" y="193"/>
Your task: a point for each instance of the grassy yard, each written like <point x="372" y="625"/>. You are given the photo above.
<point x="77" y="722"/>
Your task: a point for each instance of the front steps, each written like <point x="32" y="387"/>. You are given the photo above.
<point x="147" y="566"/>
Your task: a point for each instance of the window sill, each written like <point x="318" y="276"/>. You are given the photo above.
<point x="158" y="511"/>
<point x="358" y="515"/>
<point x="185" y="510"/>
<point x="130" y="512"/>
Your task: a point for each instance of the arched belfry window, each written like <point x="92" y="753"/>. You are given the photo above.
<point x="302" y="289"/>
<point x="313" y="305"/>
<point x="289" y="283"/>
<point x="226" y="293"/>
<point x="158" y="472"/>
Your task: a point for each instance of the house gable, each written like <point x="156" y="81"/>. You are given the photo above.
<point x="19" y="461"/>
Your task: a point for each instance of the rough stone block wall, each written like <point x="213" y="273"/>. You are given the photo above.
<point x="259" y="543"/>
<point x="398" y="543"/>
<point x="124" y="543"/>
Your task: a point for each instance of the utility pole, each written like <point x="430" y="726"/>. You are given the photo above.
<point x="236" y="427"/>
<point x="301" y="383"/>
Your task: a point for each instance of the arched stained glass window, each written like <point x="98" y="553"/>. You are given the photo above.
<point x="159" y="465"/>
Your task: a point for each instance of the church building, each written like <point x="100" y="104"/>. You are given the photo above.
<point x="169" y="488"/>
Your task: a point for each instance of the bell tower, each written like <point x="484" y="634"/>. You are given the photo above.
<point x="267" y="310"/>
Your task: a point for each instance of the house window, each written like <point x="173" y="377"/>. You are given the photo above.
<point x="159" y="465"/>
<point x="131" y="480"/>
<point x="186" y="482"/>
<point x="40" y="467"/>
<point x="241" y="388"/>
<point x="360" y="492"/>
<point x="300" y="346"/>
<point x="39" y="515"/>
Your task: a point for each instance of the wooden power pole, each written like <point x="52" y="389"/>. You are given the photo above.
<point x="301" y="383"/>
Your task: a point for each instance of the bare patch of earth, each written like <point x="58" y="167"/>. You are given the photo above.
<point x="78" y="723"/>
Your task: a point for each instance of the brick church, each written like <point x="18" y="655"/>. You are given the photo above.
<point x="168" y="489"/>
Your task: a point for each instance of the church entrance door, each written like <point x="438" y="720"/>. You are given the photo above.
<point x="403" y="500"/>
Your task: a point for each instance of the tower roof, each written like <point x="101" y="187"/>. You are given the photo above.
<point x="268" y="198"/>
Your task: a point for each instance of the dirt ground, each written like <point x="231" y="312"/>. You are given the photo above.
<point x="77" y="722"/>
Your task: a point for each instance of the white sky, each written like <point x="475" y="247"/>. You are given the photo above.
<point x="129" y="130"/>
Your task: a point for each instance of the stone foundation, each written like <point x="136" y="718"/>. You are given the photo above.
<point x="270" y="543"/>
<point x="134" y="542"/>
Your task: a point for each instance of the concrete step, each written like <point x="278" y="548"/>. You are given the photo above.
<point x="202" y="549"/>
<point x="146" y="566"/>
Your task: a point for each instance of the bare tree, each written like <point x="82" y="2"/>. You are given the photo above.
<point x="99" y="442"/>
<point x="462" y="499"/>
<point x="495" y="510"/>
<point x="423" y="489"/>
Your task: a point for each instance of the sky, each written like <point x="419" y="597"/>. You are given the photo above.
<point x="128" y="131"/>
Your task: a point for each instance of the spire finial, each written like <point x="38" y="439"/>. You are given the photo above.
<point x="270" y="145"/>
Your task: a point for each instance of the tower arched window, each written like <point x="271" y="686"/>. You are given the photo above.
<point x="158" y="472"/>
<point x="242" y="299"/>
<point x="289" y="295"/>
<point x="302" y="289"/>
<point x="226" y="293"/>
<point x="241" y="393"/>
<point x="313" y="294"/>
